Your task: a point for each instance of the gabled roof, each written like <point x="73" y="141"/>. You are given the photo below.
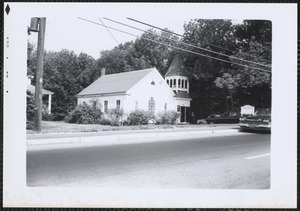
<point x="115" y="83"/>
<point x="176" y="68"/>
<point x="31" y="88"/>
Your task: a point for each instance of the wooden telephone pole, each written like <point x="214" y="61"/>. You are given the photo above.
<point x="39" y="25"/>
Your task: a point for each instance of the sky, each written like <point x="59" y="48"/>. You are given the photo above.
<point x="64" y="30"/>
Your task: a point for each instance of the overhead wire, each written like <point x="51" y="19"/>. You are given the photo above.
<point x="109" y="31"/>
<point x="204" y="49"/>
<point x="189" y="51"/>
<point x="150" y="25"/>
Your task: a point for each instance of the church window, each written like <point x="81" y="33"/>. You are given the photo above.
<point x="171" y="83"/>
<point x="178" y="83"/>
<point x="118" y="103"/>
<point x="178" y="108"/>
<point x="186" y="84"/>
<point x="151" y="105"/>
<point x="174" y="82"/>
<point x="105" y="106"/>
<point x="182" y="82"/>
<point x="168" y="81"/>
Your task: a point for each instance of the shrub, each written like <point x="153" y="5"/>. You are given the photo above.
<point x="115" y="115"/>
<point x="84" y="114"/>
<point x="167" y="117"/>
<point x="139" y="117"/>
<point x="104" y="121"/>
<point x="29" y="111"/>
<point x="47" y="117"/>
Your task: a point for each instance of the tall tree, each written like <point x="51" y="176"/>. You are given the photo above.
<point x="211" y="35"/>
<point x="246" y="84"/>
<point x="66" y="74"/>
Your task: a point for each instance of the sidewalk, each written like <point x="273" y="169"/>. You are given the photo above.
<point x="104" y="138"/>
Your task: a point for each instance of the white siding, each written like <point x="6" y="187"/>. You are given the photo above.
<point x="112" y="100"/>
<point x="183" y="102"/>
<point x="144" y="90"/>
<point x="140" y="94"/>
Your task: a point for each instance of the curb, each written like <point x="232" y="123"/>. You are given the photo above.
<point x="123" y="138"/>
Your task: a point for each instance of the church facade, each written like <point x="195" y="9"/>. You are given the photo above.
<point x="142" y="89"/>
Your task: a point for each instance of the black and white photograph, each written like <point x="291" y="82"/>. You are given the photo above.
<point x="177" y="105"/>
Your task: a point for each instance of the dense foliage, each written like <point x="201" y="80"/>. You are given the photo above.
<point x="218" y="86"/>
<point x="167" y="117"/>
<point x="85" y="114"/>
<point x="115" y="116"/>
<point x="139" y="117"/>
<point x="29" y="111"/>
<point x="215" y="86"/>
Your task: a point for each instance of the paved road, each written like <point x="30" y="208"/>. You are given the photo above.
<point x="233" y="162"/>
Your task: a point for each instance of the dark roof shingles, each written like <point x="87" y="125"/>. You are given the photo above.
<point x="176" y="68"/>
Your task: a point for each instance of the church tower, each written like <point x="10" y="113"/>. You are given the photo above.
<point x="176" y="76"/>
<point x="178" y="81"/>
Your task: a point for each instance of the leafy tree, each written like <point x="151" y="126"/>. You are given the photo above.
<point x="244" y="83"/>
<point x="66" y="74"/>
<point x="156" y="54"/>
<point x="211" y="35"/>
<point x="31" y="59"/>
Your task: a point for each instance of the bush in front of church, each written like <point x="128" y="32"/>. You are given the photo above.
<point x="115" y="116"/>
<point x="139" y="117"/>
<point x="84" y="114"/>
<point x="167" y="117"/>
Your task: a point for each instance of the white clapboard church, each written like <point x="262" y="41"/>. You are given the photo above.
<point x="142" y="89"/>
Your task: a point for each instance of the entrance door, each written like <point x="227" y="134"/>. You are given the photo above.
<point x="182" y="114"/>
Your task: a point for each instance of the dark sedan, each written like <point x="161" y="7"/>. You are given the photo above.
<point x="261" y="120"/>
<point x="231" y="117"/>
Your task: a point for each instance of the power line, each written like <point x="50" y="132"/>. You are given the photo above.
<point x="233" y="57"/>
<point x="109" y="31"/>
<point x="189" y="51"/>
<point x="184" y="36"/>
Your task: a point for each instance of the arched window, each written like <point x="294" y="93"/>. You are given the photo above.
<point x="151" y="105"/>
<point x="178" y="83"/>
<point x="186" y="84"/>
<point x="171" y="83"/>
<point x="167" y="81"/>
<point x="182" y="82"/>
<point x="174" y="82"/>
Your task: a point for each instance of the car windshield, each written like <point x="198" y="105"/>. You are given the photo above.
<point x="263" y="112"/>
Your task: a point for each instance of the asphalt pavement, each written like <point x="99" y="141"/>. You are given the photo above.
<point x="233" y="161"/>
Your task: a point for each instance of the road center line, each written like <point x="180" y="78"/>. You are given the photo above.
<point x="258" y="156"/>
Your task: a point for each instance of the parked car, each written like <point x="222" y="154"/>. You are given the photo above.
<point x="261" y="120"/>
<point x="229" y="117"/>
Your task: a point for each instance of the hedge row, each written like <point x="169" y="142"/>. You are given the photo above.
<point x="86" y="114"/>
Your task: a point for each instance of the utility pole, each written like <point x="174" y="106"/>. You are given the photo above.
<point x="39" y="25"/>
